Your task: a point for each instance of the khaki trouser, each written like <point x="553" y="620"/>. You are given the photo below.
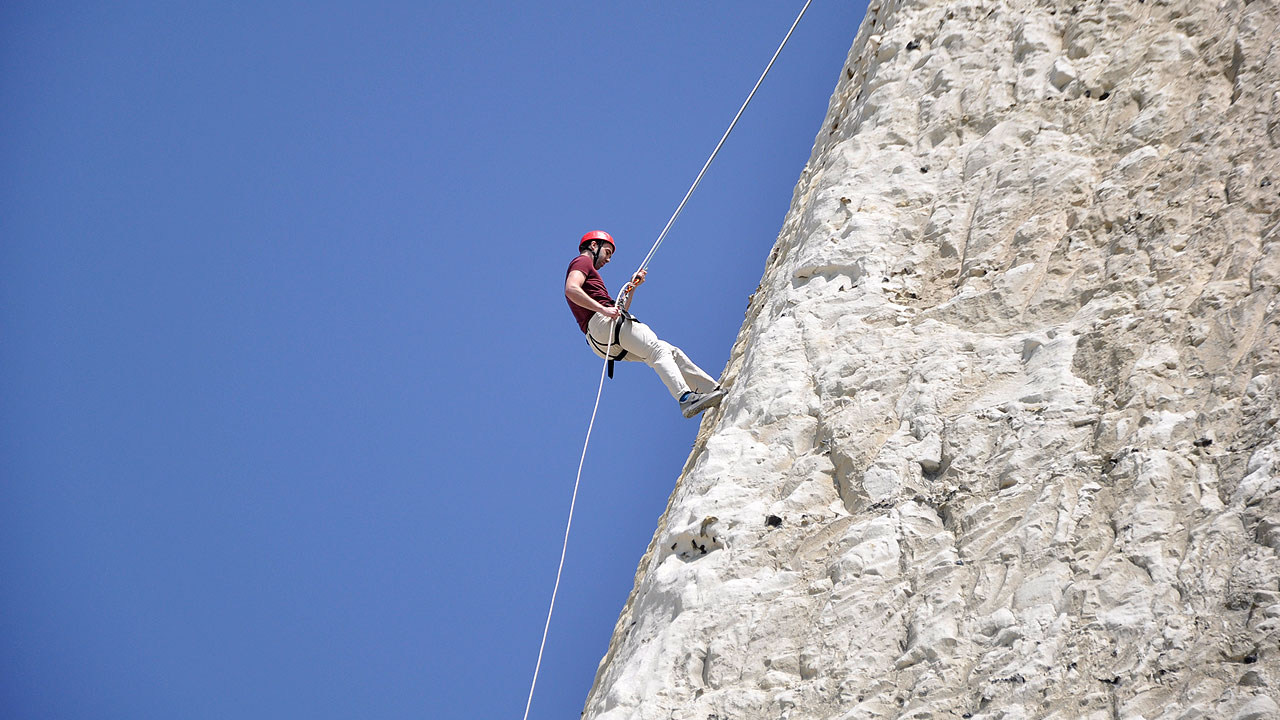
<point x="675" y="368"/>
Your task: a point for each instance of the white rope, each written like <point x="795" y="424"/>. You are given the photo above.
<point x="600" y="390"/>
<point x="567" y="525"/>
<point x="662" y="236"/>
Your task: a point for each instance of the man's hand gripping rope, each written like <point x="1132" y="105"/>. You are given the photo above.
<point x="624" y="298"/>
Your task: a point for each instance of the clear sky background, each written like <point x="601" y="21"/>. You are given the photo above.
<point x="291" y="402"/>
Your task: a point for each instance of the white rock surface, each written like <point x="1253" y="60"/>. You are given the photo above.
<point x="1000" y="438"/>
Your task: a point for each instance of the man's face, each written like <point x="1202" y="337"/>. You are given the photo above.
<point x="604" y="256"/>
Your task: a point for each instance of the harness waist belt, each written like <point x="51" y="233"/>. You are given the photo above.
<point x="604" y="349"/>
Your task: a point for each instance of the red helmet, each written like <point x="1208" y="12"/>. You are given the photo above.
<point x="597" y="235"/>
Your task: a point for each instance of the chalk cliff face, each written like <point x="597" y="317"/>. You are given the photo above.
<point x="1000" y="439"/>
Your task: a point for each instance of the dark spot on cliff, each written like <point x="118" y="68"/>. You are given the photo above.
<point x="1111" y="681"/>
<point x="924" y="169"/>
<point x="773" y="521"/>
<point x="1015" y="678"/>
<point x="1266" y="182"/>
<point x="1203" y="442"/>
<point x="1088" y="93"/>
<point x="959" y="562"/>
<point x="1250" y="659"/>
<point x="848" y="72"/>
<point x="673" y="546"/>
<point x="1104" y="96"/>
<point x="913" y="45"/>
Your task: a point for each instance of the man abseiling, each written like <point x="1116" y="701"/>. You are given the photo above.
<point x="598" y="316"/>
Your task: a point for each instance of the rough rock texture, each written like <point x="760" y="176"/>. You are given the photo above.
<point x="1001" y="438"/>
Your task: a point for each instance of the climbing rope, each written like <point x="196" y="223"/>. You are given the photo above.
<point x="663" y="235"/>
<point x="567" y="525"/>
<point x="626" y="291"/>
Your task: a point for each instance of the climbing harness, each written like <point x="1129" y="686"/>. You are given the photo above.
<point x="614" y="335"/>
<point x="608" y="364"/>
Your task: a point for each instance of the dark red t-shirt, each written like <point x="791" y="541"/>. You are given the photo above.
<point x="593" y="286"/>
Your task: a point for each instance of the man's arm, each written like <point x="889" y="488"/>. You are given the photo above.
<point x="573" y="290"/>
<point x="630" y="294"/>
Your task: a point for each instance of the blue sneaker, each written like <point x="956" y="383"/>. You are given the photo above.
<point x="692" y="403"/>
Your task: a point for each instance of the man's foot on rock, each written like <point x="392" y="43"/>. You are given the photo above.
<point x="692" y="403"/>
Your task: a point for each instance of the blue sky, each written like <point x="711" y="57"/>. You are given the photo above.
<point x="291" y="401"/>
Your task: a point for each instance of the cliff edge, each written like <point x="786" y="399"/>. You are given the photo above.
<point x="1000" y="438"/>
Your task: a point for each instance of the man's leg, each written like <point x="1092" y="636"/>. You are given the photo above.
<point x="696" y="377"/>
<point x="644" y="346"/>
